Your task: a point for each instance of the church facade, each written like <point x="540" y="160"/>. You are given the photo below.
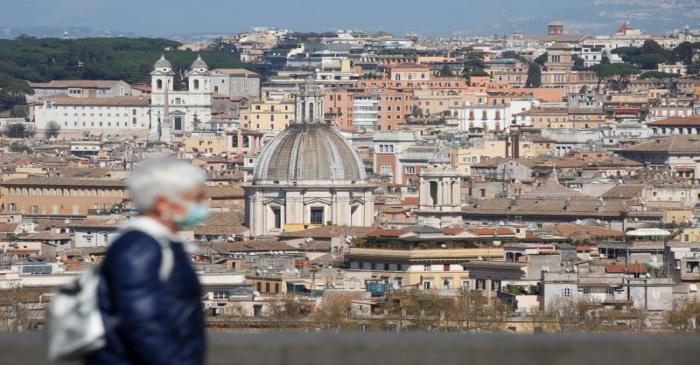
<point x="308" y="176"/>
<point x="176" y="111"/>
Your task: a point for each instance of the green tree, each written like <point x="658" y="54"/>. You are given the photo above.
<point x="17" y="130"/>
<point x="52" y="130"/>
<point x="20" y="148"/>
<point x="474" y="66"/>
<point x="656" y="75"/>
<point x="542" y="59"/>
<point x="579" y="63"/>
<point x="534" y="76"/>
<point x="417" y="112"/>
<point x="651" y="46"/>
<point x="446" y="71"/>
<point x="514" y="55"/>
<point x="684" y="53"/>
<point x="617" y="72"/>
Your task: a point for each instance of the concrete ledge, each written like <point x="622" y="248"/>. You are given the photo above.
<point x="415" y="348"/>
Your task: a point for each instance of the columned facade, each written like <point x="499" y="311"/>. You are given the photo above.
<point x="308" y="176"/>
<point x="440" y="197"/>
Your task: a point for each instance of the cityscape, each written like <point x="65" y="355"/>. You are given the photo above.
<point x="370" y="181"/>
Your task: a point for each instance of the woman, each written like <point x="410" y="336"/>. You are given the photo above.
<point x="150" y="296"/>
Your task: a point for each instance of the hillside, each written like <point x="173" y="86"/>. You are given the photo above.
<point x="129" y="59"/>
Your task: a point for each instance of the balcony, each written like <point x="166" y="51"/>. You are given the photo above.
<point x="414" y="348"/>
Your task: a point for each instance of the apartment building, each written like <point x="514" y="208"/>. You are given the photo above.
<point x="394" y="106"/>
<point x="269" y="115"/>
<point x="61" y="196"/>
<point x="109" y="116"/>
<point x="339" y="104"/>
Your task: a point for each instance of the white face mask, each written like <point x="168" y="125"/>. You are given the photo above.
<point x="195" y="213"/>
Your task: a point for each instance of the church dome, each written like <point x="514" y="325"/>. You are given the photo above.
<point x="199" y="64"/>
<point x="162" y="63"/>
<point x="310" y="153"/>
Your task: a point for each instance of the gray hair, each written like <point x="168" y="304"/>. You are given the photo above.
<point x="162" y="177"/>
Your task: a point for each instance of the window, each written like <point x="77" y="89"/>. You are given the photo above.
<point x="316" y="216"/>
<point x="220" y="294"/>
<point x="410" y="169"/>
<point x="426" y="268"/>
<point x="480" y="284"/>
<point x="277" y="217"/>
<point x="257" y="310"/>
<point x="566" y="292"/>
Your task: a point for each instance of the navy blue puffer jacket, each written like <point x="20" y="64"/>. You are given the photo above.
<point x="157" y="322"/>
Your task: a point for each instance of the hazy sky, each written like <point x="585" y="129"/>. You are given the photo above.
<point x="429" y="17"/>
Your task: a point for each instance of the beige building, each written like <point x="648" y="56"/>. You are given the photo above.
<point x="431" y="103"/>
<point x="481" y="150"/>
<point x="410" y="72"/>
<point x="535" y="146"/>
<point x="269" y="115"/>
<point x="207" y="143"/>
<point x="61" y="196"/>
<point x="425" y="269"/>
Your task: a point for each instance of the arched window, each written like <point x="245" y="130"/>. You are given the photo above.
<point x="159" y="84"/>
<point x="195" y="83"/>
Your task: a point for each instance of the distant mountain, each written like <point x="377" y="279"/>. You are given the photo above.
<point x="59" y="32"/>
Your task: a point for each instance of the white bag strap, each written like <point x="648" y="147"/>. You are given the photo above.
<point x="167" y="260"/>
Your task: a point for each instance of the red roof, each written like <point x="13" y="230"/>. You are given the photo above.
<point x="487" y="231"/>
<point x="410" y="200"/>
<point x="451" y="231"/>
<point x="626" y="110"/>
<point x="690" y="121"/>
<point x="631" y="269"/>
<point x="385" y="233"/>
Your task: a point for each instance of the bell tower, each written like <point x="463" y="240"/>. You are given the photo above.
<point x="440" y="195"/>
<point x="309" y="108"/>
<point x="162" y="76"/>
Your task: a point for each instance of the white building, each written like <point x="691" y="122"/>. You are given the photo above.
<point x="591" y="55"/>
<point x="492" y="117"/>
<point x="677" y="68"/>
<point x="177" y="111"/>
<point x="138" y="116"/>
<point x="365" y="112"/>
<point x="105" y="116"/>
<point x="236" y="83"/>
